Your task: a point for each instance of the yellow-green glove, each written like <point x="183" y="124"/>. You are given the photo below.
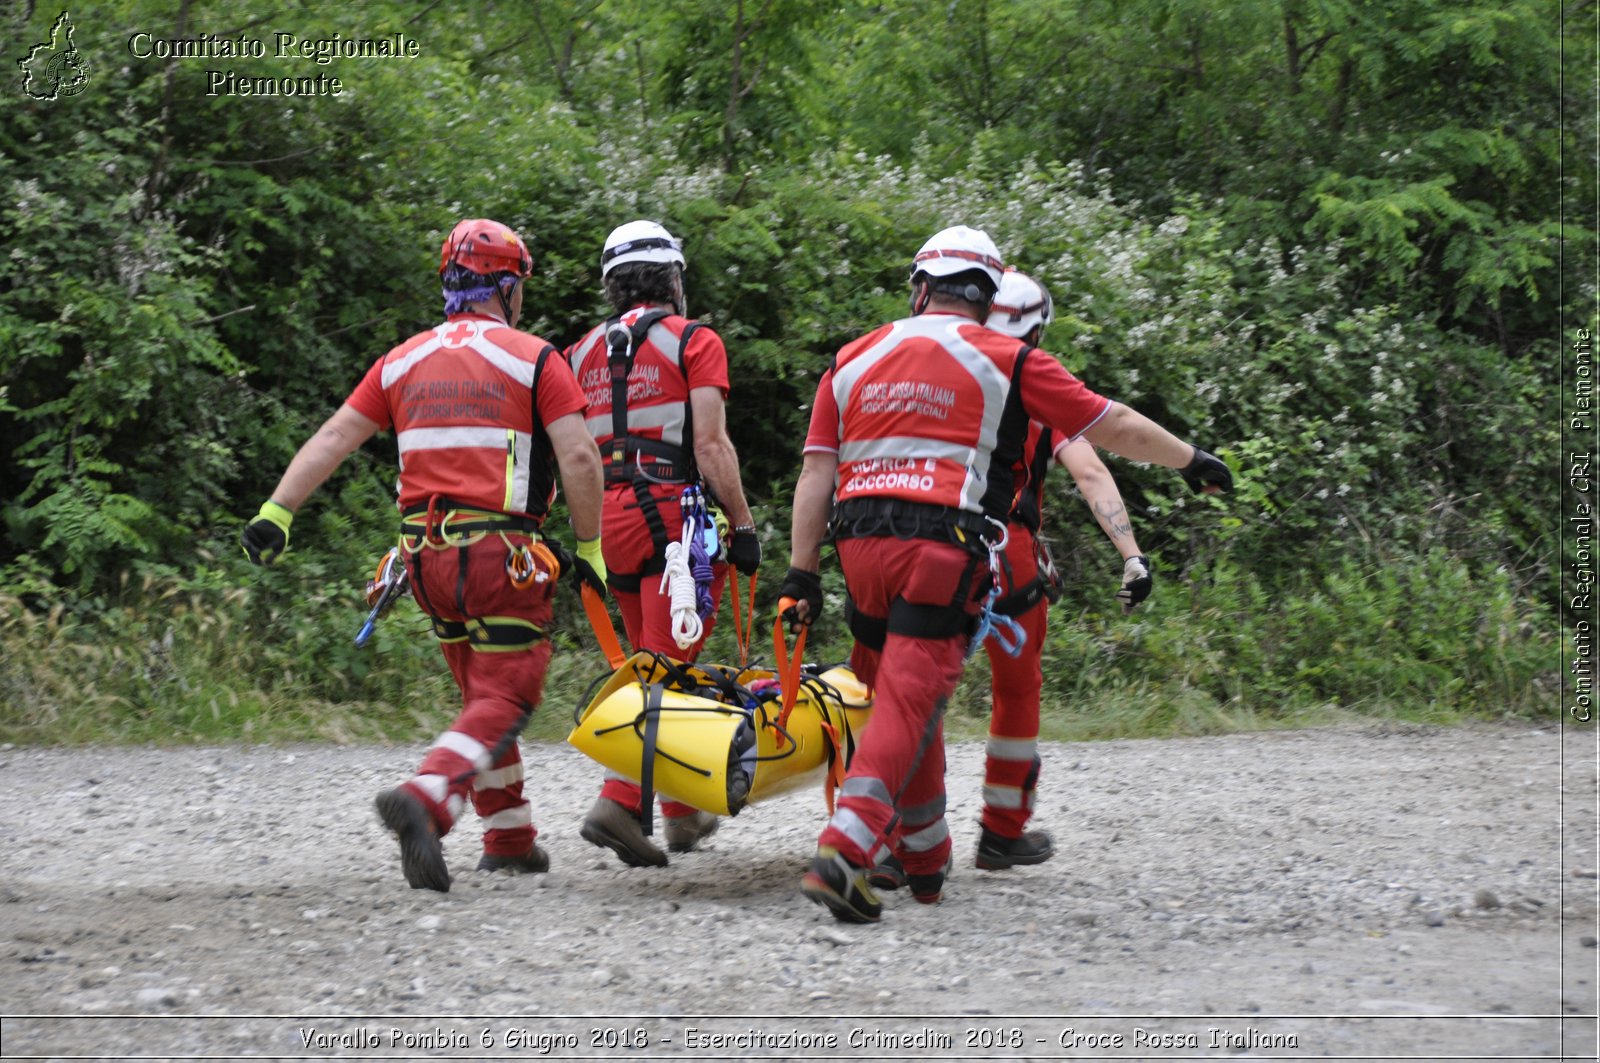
<point x="267" y="536"/>
<point x="592" y="564"/>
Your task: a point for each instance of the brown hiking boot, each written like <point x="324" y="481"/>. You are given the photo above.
<point x="686" y="832"/>
<point x="611" y="826"/>
<point x="536" y="862"/>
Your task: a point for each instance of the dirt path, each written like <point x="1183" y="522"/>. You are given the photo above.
<point x="1352" y="893"/>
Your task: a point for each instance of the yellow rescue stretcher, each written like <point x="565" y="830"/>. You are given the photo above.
<point x="719" y="738"/>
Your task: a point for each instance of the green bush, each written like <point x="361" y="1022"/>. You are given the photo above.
<point x="1276" y="275"/>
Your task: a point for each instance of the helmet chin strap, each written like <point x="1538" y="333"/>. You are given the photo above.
<point x="969" y="293"/>
<point x="680" y="298"/>
<point x="505" y="300"/>
<point x="920" y="295"/>
<point x="923" y="291"/>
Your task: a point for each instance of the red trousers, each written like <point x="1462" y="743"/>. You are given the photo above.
<point x="631" y="548"/>
<point x="1011" y="757"/>
<point x="896" y="778"/>
<point x="479" y="617"/>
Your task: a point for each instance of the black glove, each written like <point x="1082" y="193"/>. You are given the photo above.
<point x="267" y="534"/>
<point x="1206" y="474"/>
<point x="1137" y="579"/>
<point x="744" y="551"/>
<point x="564" y="557"/>
<point x="588" y="577"/>
<point x="805" y="588"/>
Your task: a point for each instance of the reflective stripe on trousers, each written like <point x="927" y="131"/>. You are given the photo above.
<point x="498" y="687"/>
<point x="900" y="759"/>
<point x="1008" y="776"/>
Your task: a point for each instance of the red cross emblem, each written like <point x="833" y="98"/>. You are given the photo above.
<point x="459" y="335"/>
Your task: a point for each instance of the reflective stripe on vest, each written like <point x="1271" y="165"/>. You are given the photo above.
<point x="918" y="462"/>
<point x="516" y="368"/>
<point x="477" y="457"/>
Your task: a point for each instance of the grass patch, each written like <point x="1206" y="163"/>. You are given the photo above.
<point x="172" y="660"/>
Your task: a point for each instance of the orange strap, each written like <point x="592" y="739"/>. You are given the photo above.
<point x="836" y="765"/>
<point x="605" y="632"/>
<point x="743" y="632"/>
<point x="788" y="667"/>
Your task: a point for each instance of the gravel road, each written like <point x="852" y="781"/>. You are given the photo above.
<point x="1375" y="892"/>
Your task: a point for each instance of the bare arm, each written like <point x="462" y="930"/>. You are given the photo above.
<point x="813" y="505"/>
<point x="1100" y="492"/>
<point x="581" y="477"/>
<point x="714" y="453"/>
<point x="1133" y="435"/>
<point x="318" y="456"/>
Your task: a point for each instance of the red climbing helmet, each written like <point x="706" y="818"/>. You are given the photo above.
<point x="485" y="247"/>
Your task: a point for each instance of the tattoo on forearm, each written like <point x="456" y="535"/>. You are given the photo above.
<point x="1114" y="518"/>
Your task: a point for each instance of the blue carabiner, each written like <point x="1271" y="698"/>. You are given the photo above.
<point x="1008" y="634"/>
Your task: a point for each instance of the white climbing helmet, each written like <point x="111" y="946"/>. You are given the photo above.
<point x="956" y="250"/>
<point x="640" y="241"/>
<point x="1023" y="304"/>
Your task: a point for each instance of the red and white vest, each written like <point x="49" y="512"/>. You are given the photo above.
<point x="462" y="396"/>
<point x="660" y="424"/>
<point x="928" y="413"/>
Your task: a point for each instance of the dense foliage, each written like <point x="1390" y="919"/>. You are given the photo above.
<point x="1323" y="238"/>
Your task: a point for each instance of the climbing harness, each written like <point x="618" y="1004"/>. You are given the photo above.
<point x="426" y="531"/>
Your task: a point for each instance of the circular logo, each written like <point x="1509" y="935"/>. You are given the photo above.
<point x="66" y="73"/>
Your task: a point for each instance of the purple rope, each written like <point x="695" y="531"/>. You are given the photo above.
<point x="700" y="565"/>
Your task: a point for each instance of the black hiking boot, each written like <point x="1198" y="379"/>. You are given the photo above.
<point x="887" y="874"/>
<point x="421" y="854"/>
<point x="997" y="852"/>
<point x="841" y="887"/>
<point x="929" y="889"/>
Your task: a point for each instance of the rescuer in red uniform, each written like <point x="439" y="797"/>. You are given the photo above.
<point x="914" y="432"/>
<point x="1028" y="584"/>
<point x="656" y="383"/>
<point x="484" y="416"/>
